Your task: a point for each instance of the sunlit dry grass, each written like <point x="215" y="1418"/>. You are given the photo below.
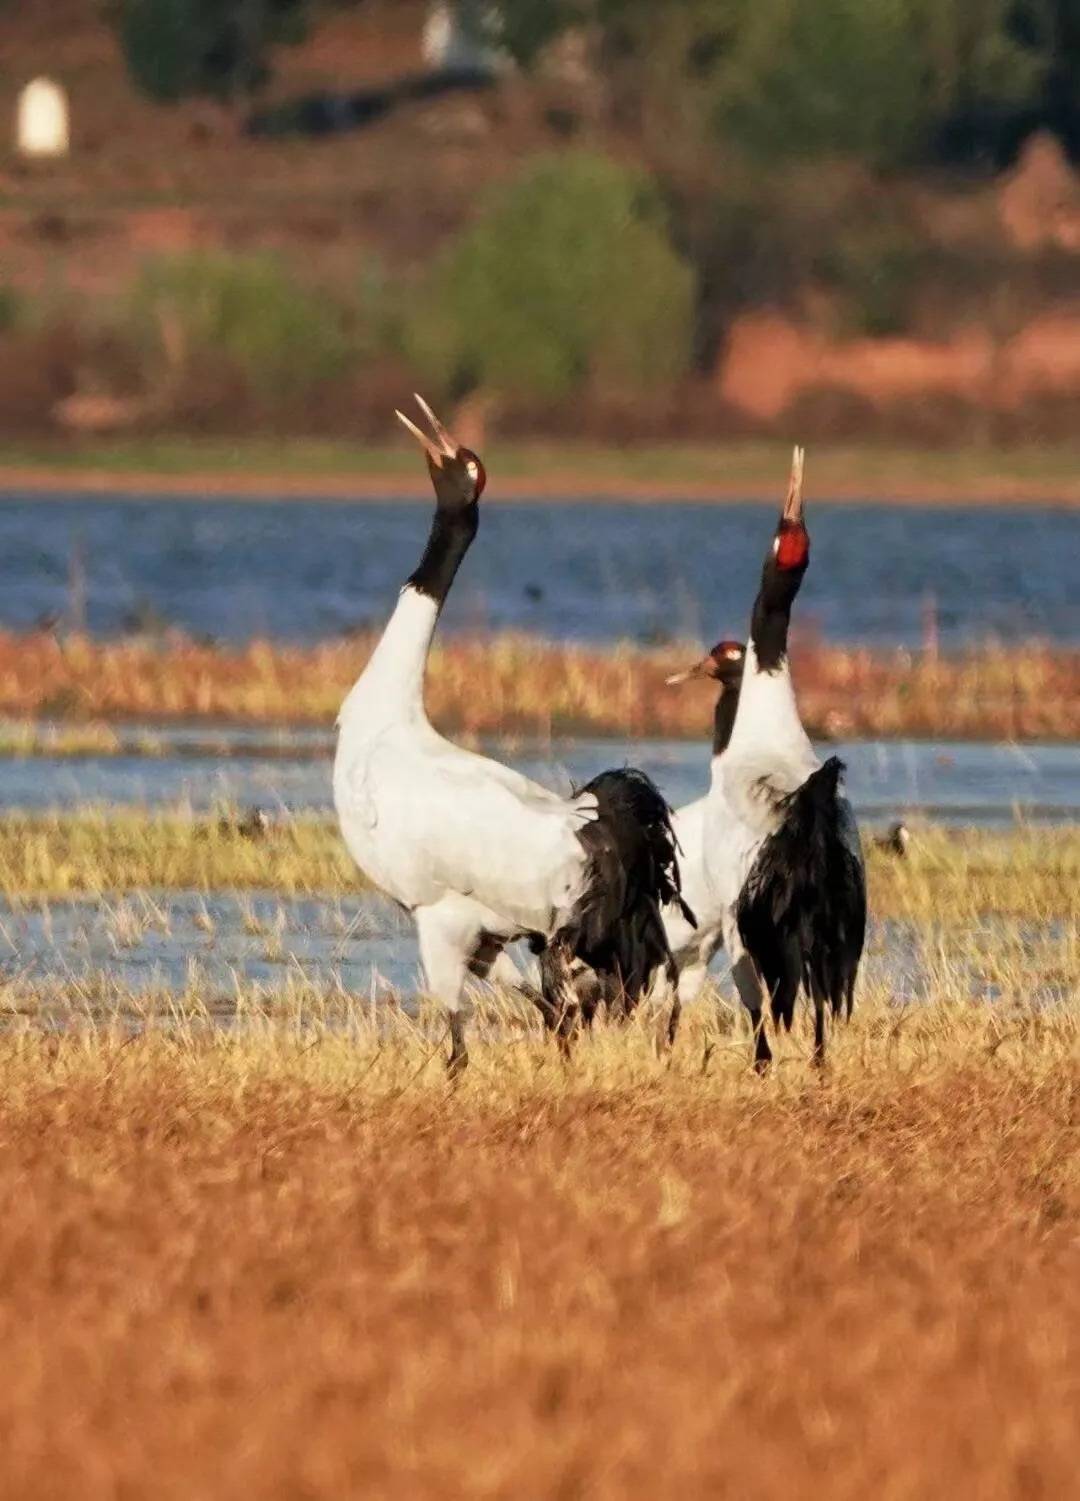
<point x="507" y="685"/>
<point x="25" y="737"/>
<point x="95" y="851"/>
<point x="1027" y="871"/>
<point x="254" y="1243"/>
<point x="290" y="1261"/>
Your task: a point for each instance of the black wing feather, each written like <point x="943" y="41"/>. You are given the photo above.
<point x="632" y="874"/>
<point x="802" y="910"/>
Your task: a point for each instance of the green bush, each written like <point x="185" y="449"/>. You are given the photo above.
<point x="566" y="280"/>
<point x="282" y="338"/>
<point x="874" y="79"/>
<point x="176" y="48"/>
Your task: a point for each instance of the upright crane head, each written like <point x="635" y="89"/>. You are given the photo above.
<point x="791" y="546"/>
<point x="457" y="473"/>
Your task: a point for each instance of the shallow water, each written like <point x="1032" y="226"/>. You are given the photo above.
<point x="140" y="955"/>
<point x="305" y="570"/>
<point x="957" y="783"/>
<point x="175" y="941"/>
<point x="178" y="942"/>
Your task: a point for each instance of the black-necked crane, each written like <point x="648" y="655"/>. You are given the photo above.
<point x="782" y="849"/>
<point x="477" y="853"/>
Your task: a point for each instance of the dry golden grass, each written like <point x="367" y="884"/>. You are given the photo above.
<point x="95" y="851"/>
<point x="288" y="1263"/>
<point x="255" y="1244"/>
<point x="511" y="685"/>
<point x="948" y="875"/>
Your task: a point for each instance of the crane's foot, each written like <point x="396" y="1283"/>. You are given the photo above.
<point x="673" y="1022"/>
<point x="458" y="1060"/>
<point x="819" y="1037"/>
<point x="567" y="1030"/>
<point x="762" y="1051"/>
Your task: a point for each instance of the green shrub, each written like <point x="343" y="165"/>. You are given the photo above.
<point x="874" y="79"/>
<point x="176" y="48"/>
<point x="567" y="279"/>
<point x="282" y="338"/>
<point x="870" y="78"/>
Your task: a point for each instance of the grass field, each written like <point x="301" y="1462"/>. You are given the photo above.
<point x="257" y="1244"/>
<point x="1042" y="472"/>
<point x="293" y="1264"/>
<point x="958" y="876"/>
<point x="507" y="685"/>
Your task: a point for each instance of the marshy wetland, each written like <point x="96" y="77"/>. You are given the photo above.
<point x="245" y="1205"/>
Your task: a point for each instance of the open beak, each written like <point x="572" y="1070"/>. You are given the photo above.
<point x="699" y="670"/>
<point x="438" y="448"/>
<point x="793" y="506"/>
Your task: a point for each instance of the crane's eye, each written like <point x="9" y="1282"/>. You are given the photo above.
<point x="474" y="470"/>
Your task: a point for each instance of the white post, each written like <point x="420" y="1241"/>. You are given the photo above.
<point x="42" y="127"/>
<point x="450" y="44"/>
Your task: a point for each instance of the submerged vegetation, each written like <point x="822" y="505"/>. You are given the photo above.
<point x="514" y="685"/>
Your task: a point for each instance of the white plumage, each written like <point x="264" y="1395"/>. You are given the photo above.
<point x="426" y="819"/>
<point x="478" y="853"/>
<point x="781" y="848"/>
<point x="694" y="947"/>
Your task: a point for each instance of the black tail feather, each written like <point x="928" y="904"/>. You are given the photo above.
<point x="802" y="910"/>
<point x="633" y="874"/>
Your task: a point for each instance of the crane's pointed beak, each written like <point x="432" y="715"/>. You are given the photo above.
<point x="699" y="670"/>
<point x="793" y="505"/>
<point x="443" y="445"/>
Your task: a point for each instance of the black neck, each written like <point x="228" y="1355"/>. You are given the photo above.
<point x="452" y="532"/>
<point x="724" y="719"/>
<point x="772" y="614"/>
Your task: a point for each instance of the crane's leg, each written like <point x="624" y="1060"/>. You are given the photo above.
<point x="752" y="992"/>
<point x="819" y="1026"/>
<point x="447" y="943"/>
<point x="558" y="998"/>
<point x="689" y="986"/>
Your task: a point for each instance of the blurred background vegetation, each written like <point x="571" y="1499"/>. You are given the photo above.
<point x="709" y="216"/>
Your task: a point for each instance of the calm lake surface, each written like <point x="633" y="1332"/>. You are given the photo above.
<point x="957" y="783"/>
<point x="596" y="572"/>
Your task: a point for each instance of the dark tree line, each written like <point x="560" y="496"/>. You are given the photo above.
<point x="890" y="81"/>
<point x="176" y="49"/>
